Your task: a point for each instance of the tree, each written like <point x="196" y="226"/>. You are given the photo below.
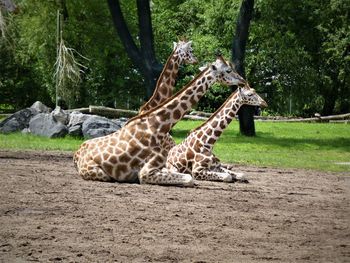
<point x="109" y="80"/>
<point x="245" y="113"/>
<point x="144" y="57"/>
<point x="296" y="55"/>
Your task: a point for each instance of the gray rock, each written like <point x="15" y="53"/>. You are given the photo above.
<point x="75" y="131"/>
<point x="44" y="124"/>
<point x="60" y="115"/>
<point x="40" y="107"/>
<point x="97" y="126"/>
<point x="76" y="120"/>
<point x="25" y="131"/>
<point x="121" y="121"/>
<point x="17" y="121"/>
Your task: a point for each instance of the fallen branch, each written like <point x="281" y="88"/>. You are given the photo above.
<point x="110" y="112"/>
<point x="315" y="119"/>
<point x="117" y="113"/>
<point x="201" y="116"/>
<point x="106" y="111"/>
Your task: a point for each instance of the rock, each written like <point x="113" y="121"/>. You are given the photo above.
<point x="60" y="115"/>
<point x="40" y="107"/>
<point x="121" y="121"/>
<point x="44" y="124"/>
<point x="77" y="118"/>
<point x="25" y="131"/>
<point x="75" y="124"/>
<point x="97" y="126"/>
<point x="75" y="131"/>
<point x="17" y="121"/>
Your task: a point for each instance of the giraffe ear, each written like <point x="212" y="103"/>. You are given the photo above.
<point x="175" y="44"/>
<point x="213" y="67"/>
<point x="232" y="65"/>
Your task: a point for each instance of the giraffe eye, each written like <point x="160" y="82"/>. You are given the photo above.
<point x="229" y="70"/>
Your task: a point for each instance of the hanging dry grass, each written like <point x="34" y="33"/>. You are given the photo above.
<point x="2" y="25"/>
<point x="68" y="71"/>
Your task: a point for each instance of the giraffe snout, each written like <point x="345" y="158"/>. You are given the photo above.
<point x="263" y="104"/>
<point x="194" y="61"/>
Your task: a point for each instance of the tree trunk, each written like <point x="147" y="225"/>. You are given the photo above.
<point x="147" y="45"/>
<point x="330" y="97"/>
<point x="144" y="57"/>
<point x="246" y="113"/>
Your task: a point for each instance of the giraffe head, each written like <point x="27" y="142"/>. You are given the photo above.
<point x="248" y="96"/>
<point x="224" y="72"/>
<point x="184" y="49"/>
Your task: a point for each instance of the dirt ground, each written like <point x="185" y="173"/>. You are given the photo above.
<point x="49" y="214"/>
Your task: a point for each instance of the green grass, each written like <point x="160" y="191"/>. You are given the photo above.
<point x="316" y="146"/>
<point x="18" y="141"/>
<point x="295" y="145"/>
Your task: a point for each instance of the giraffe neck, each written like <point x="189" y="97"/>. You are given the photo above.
<point x="167" y="114"/>
<point x="165" y="83"/>
<point x="210" y="131"/>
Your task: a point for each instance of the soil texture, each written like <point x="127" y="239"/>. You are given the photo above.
<point x="49" y="214"/>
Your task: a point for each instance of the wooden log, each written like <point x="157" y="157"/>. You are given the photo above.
<point x="202" y="116"/>
<point x="200" y="113"/>
<point x="336" y="117"/>
<point x="316" y="119"/>
<point x="82" y="110"/>
<point x="110" y="112"/>
<point x="106" y="111"/>
<point x="194" y="118"/>
<point x="117" y="113"/>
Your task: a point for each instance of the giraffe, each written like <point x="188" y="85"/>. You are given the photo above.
<point x="182" y="53"/>
<point x="135" y="152"/>
<point x="194" y="155"/>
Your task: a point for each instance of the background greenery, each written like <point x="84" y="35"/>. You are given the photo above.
<point x="297" y="145"/>
<point x="298" y="52"/>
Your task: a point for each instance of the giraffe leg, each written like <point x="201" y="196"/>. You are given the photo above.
<point x="236" y="176"/>
<point x="216" y="170"/>
<point x="92" y="171"/>
<point x="204" y="173"/>
<point x="152" y="173"/>
<point x="168" y="143"/>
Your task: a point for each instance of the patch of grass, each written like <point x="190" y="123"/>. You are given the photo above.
<point x="18" y="141"/>
<point x="317" y="146"/>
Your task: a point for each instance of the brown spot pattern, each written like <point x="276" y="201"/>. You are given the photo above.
<point x="177" y="114"/>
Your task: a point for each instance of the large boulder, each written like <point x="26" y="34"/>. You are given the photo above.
<point x="60" y="115"/>
<point x="97" y="126"/>
<point x="44" y="124"/>
<point x="40" y="107"/>
<point x="121" y="121"/>
<point x="76" y="120"/>
<point x="17" y="121"/>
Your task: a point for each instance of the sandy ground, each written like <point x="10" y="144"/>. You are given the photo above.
<point x="49" y="214"/>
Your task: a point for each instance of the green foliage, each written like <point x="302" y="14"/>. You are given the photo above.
<point x="109" y="80"/>
<point x="287" y="55"/>
<point x="18" y="81"/>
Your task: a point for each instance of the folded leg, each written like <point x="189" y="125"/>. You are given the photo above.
<point x="153" y="173"/>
